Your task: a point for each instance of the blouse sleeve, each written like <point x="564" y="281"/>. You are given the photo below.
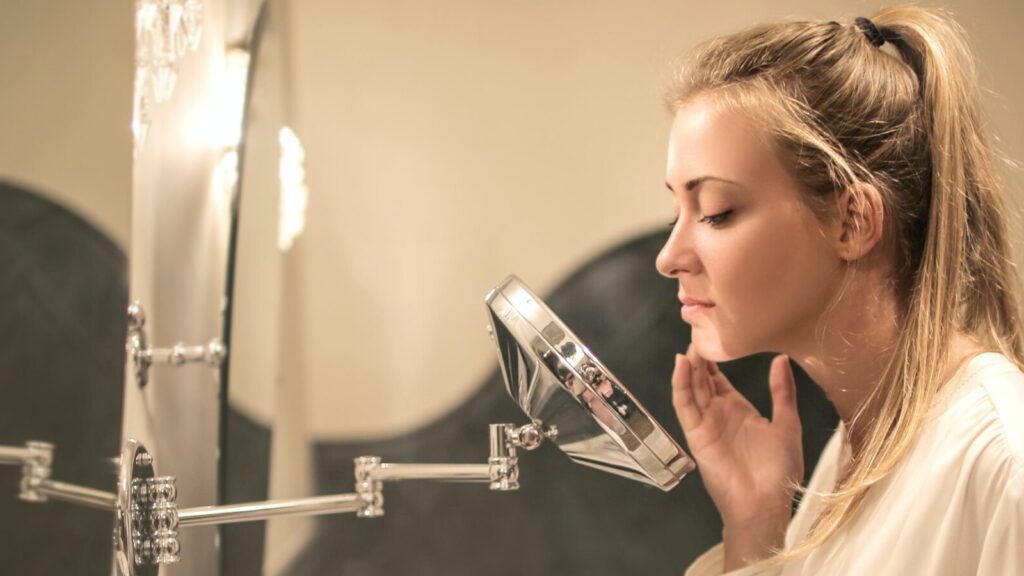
<point x="1002" y="551"/>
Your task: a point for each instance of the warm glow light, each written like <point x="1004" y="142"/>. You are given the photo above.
<point x="294" y="193"/>
<point x="165" y="31"/>
<point x="225" y="177"/>
<point x="232" y="98"/>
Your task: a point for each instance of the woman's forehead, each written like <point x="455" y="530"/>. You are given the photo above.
<point x="707" y="139"/>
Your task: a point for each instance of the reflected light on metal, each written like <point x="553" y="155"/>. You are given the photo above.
<point x="294" y="192"/>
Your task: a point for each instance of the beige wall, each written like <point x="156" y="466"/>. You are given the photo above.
<point x="65" y="128"/>
<point x="450" y="143"/>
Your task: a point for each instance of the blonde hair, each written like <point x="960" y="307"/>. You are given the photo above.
<point x="904" y="118"/>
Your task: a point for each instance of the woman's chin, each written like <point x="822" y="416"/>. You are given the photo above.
<point x="710" y="348"/>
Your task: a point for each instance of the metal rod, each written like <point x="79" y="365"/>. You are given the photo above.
<point x="12" y="455"/>
<point x="178" y="354"/>
<point x="447" y="472"/>
<point x="78" y="495"/>
<point x="232" y="513"/>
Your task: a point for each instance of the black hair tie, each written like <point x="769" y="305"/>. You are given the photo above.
<point x="870" y="30"/>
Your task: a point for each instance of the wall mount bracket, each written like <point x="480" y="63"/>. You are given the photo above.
<point x="143" y="356"/>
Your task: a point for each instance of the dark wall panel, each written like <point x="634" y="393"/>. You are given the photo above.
<point x="63" y="295"/>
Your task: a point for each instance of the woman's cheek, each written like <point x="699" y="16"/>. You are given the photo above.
<point x="753" y="286"/>
<point x="755" y="261"/>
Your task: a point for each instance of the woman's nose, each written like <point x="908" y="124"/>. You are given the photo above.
<point x="676" y="257"/>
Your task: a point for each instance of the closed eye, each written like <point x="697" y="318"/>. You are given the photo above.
<point x="716" y="220"/>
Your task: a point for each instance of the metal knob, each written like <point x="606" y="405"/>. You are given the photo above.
<point x="155" y="520"/>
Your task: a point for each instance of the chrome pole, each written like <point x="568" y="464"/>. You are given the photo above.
<point x="444" y="472"/>
<point x="231" y="513"/>
<point x="12" y="455"/>
<point x="212" y="353"/>
<point x="78" y="495"/>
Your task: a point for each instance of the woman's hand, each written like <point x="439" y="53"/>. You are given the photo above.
<point x="749" y="464"/>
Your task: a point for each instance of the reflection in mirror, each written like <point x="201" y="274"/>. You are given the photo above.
<point x="65" y="206"/>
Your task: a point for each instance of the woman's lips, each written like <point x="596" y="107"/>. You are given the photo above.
<point x="693" y="308"/>
<point x="688" y="301"/>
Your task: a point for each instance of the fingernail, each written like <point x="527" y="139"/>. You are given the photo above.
<point x="712" y="367"/>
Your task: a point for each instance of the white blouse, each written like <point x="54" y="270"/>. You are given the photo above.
<point x="953" y="506"/>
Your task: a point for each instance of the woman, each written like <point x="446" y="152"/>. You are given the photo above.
<point x="836" y="201"/>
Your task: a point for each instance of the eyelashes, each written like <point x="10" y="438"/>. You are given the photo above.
<point x="714" y="220"/>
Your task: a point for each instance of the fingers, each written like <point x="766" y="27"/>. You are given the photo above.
<point x="783" y="387"/>
<point x="682" y="395"/>
<point x="712" y="380"/>
<point x="703" y="389"/>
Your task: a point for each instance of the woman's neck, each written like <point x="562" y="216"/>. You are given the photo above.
<point x="849" y="361"/>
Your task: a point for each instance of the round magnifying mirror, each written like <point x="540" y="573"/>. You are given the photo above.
<point x="564" y="388"/>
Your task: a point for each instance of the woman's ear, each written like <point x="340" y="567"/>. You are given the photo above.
<point x="859" y="222"/>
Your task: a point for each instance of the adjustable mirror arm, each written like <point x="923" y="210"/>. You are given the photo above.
<point x="501" y="473"/>
<point x="36" y="461"/>
<point x="148" y="517"/>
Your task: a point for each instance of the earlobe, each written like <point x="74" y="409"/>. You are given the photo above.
<point x="859" y="222"/>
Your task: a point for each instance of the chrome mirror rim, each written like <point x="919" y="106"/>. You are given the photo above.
<point x="522" y="324"/>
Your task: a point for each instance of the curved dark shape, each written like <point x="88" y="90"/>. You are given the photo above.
<point x="63" y="296"/>
<point x="566" y="519"/>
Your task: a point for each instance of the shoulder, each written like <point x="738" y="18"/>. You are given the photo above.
<point x="1003" y="385"/>
<point x="984" y="420"/>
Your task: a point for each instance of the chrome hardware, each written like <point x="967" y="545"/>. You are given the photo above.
<point x="233" y="513"/>
<point x="501" y="472"/>
<point x="36" y="460"/>
<point x="148" y="519"/>
<point x="556" y="381"/>
<point x="144" y="530"/>
<point x="35" y="469"/>
<point x="530" y="436"/>
<point x="503" y="465"/>
<point x="155" y="514"/>
<point x="213" y="352"/>
<point x="369" y="489"/>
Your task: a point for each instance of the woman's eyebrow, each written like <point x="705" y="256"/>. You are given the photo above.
<point x="696" y="182"/>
